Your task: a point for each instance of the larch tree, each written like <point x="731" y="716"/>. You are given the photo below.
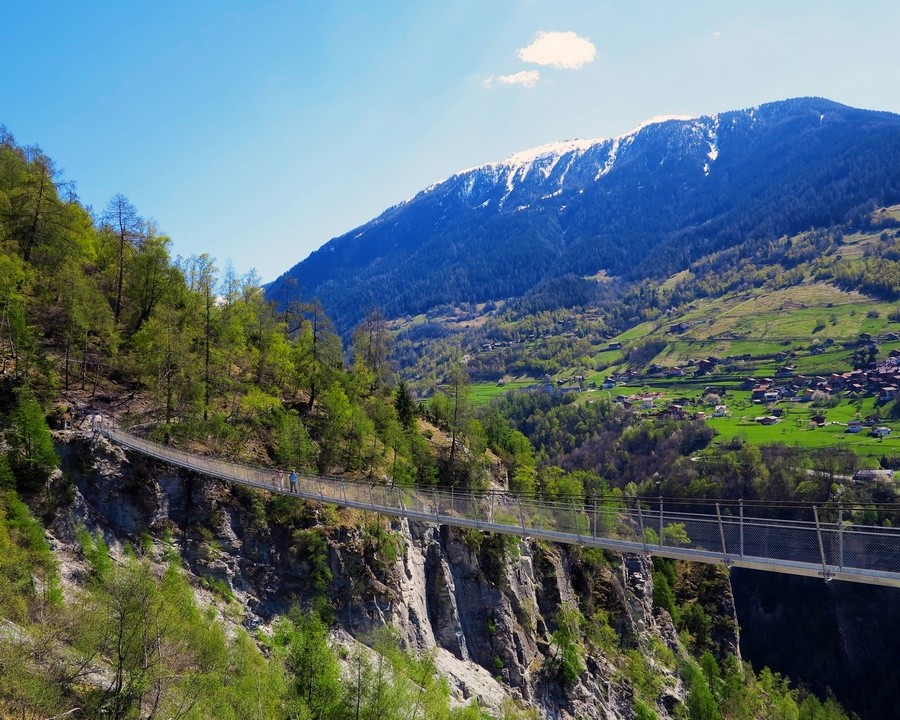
<point x="152" y="276"/>
<point x="123" y="221"/>
<point x="372" y="347"/>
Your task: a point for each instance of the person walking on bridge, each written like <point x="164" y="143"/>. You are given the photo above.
<point x="278" y="481"/>
<point x="293" y="480"/>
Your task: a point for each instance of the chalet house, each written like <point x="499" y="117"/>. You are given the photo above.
<point x="759" y="391"/>
<point x="838" y="381"/>
<point x="720" y="411"/>
<point x="880" y="431"/>
<point x="818" y="420"/>
<point x="674" y="412"/>
<point x="785" y="371"/>
<point x="854" y="426"/>
<point x="771" y="396"/>
<point x="614" y="346"/>
<point x="767" y="420"/>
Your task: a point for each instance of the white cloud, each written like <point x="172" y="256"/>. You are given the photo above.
<point x="563" y="50"/>
<point x="526" y="78"/>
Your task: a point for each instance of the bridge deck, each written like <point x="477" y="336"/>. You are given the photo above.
<point x="720" y="532"/>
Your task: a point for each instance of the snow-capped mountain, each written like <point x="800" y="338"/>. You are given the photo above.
<point x="645" y="202"/>
<point x="546" y="168"/>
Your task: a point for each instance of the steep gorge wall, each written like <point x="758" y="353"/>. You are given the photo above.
<point x="839" y="636"/>
<point x="486" y="606"/>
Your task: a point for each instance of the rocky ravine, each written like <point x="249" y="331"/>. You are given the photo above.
<point x="484" y="605"/>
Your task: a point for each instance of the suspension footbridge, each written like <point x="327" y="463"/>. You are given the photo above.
<point x="828" y="541"/>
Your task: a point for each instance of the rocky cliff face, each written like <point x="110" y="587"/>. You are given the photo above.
<point x="487" y="607"/>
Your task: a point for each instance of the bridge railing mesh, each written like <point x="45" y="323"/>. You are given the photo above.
<point x="726" y="532"/>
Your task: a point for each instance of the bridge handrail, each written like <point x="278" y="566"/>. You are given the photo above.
<point x="862" y="553"/>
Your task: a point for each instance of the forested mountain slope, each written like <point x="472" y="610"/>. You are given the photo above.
<point x="679" y="188"/>
<point x="127" y="591"/>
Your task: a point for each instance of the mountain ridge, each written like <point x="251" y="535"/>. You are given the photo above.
<point x="670" y="191"/>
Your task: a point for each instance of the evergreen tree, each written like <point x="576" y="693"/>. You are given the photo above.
<point x="31" y="453"/>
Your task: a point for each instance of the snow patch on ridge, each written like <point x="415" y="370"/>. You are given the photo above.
<point x="712" y="140"/>
<point x="544" y="159"/>
<point x="658" y="120"/>
<point x="553" y="152"/>
<point x="610" y="159"/>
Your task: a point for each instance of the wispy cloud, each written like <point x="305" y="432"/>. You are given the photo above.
<point x="526" y="78"/>
<point x="562" y="50"/>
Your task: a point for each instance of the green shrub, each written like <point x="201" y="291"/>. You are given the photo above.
<point x="7" y="481"/>
<point x="567" y="660"/>
<point x="644" y="712"/>
<point x="663" y="585"/>
<point x="311" y="546"/>
<point x="701" y="704"/>
<point x="694" y="619"/>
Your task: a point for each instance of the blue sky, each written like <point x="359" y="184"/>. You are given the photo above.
<point x="257" y="131"/>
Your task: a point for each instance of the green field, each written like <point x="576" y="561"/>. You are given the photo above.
<point x="483" y="393"/>
<point x="766" y="323"/>
<point x="796" y="431"/>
